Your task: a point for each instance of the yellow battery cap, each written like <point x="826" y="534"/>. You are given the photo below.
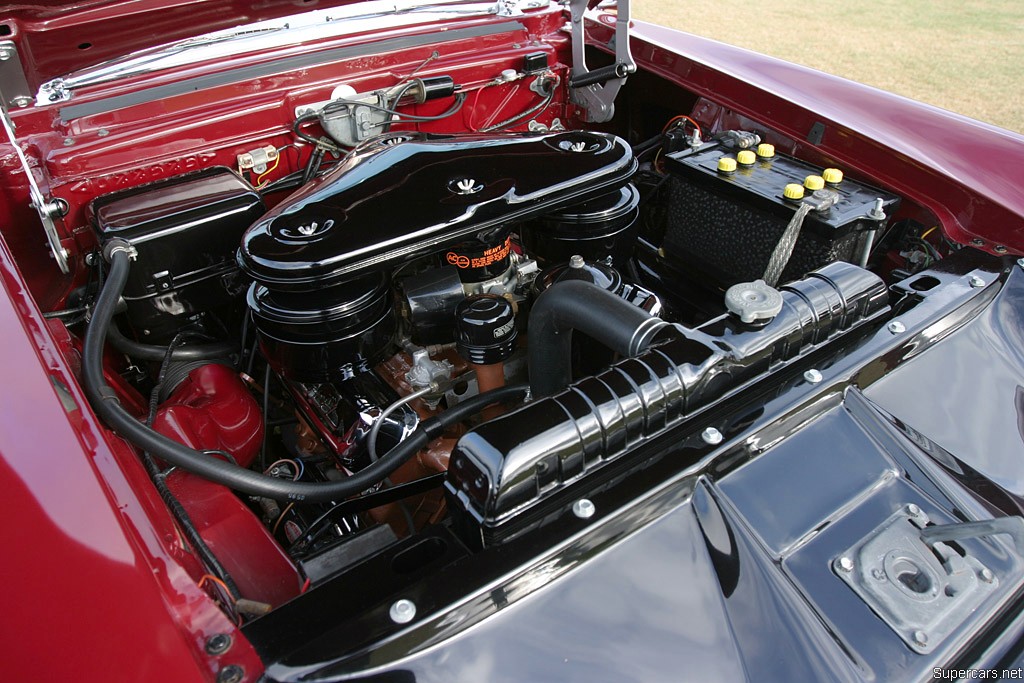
<point x="765" y="151"/>
<point x="832" y="176"/>
<point x="746" y="158"/>
<point x="793" y="191"/>
<point x="814" y="182"/>
<point x="726" y="165"/>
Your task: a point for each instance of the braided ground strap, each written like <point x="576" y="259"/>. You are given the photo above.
<point x="784" y="249"/>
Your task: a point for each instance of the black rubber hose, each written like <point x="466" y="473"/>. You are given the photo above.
<point x="139" y="351"/>
<point x="106" y="404"/>
<point x="578" y="305"/>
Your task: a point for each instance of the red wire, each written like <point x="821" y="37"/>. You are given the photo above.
<point x="683" y="117"/>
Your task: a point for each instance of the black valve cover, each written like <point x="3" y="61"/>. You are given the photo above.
<point x="391" y="202"/>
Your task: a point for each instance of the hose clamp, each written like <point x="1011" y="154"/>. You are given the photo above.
<point x="117" y="244"/>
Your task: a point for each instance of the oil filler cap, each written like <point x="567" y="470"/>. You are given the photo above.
<point x="753" y="302"/>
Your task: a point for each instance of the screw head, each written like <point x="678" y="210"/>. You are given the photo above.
<point x="103" y="132"/>
<point x="896" y="327"/>
<point x="846" y="564"/>
<point x="68" y="142"/>
<point x="5" y="55"/>
<point x="976" y="281"/>
<point x="921" y="638"/>
<point x="403" y="611"/>
<point x="21" y="101"/>
<point x="230" y="674"/>
<point x="813" y="376"/>
<point x="1020" y="262"/>
<point x="584" y="508"/>
<point x="999" y="249"/>
<point x="977" y="241"/>
<point x="913" y="509"/>
<point x="711" y="436"/>
<point x="987" y="576"/>
<point x="218" y="643"/>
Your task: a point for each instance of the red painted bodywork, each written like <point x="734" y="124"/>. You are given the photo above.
<point x="212" y="410"/>
<point x="96" y="570"/>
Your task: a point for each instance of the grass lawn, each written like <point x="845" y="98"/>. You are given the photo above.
<point x="966" y="56"/>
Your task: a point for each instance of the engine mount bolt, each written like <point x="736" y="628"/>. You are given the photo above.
<point x="913" y="510"/>
<point x="230" y="674"/>
<point x="584" y="508"/>
<point x="896" y="327"/>
<point x="403" y="611"/>
<point x="921" y="638"/>
<point x="987" y="576"/>
<point x="813" y="376"/>
<point x="846" y="564"/>
<point x="711" y="436"/>
<point x="218" y="643"/>
<point x="976" y="281"/>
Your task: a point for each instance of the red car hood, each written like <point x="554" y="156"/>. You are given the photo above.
<point x="55" y="38"/>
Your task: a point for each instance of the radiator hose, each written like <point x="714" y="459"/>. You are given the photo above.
<point x="105" y="402"/>
<point x="578" y="305"/>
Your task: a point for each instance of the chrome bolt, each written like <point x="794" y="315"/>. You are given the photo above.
<point x="22" y="101"/>
<point x="896" y="327"/>
<point x="230" y="674"/>
<point x="218" y="643"/>
<point x="577" y="261"/>
<point x="813" y="376"/>
<point x="976" y="281"/>
<point x="5" y="55"/>
<point x="711" y="436"/>
<point x="103" y="132"/>
<point x="584" y="508"/>
<point x="846" y="564"/>
<point x="913" y="510"/>
<point x="403" y="611"/>
<point x="68" y="142"/>
<point x="921" y="638"/>
<point x="987" y="576"/>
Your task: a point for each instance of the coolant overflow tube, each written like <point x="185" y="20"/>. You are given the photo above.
<point x="922" y="587"/>
<point x="595" y="91"/>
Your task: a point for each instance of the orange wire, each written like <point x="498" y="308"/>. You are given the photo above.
<point x="280" y="517"/>
<point x="211" y="577"/>
<point x="683" y="117"/>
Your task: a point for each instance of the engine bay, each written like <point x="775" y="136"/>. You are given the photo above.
<point x="415" y="300"/>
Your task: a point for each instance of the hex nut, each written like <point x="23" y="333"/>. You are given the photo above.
<point x="584" y="508"/>
<point x="845" y="564"/>
<point x="813" y="376"/>
<point x="711" y="436"/>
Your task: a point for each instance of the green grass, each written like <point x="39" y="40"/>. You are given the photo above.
<point x="965" y="56"/>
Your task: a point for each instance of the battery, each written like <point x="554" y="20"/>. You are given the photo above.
<point x="725" y="225"/>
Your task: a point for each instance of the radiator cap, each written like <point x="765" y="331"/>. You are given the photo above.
<point x="753" y="302"/>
